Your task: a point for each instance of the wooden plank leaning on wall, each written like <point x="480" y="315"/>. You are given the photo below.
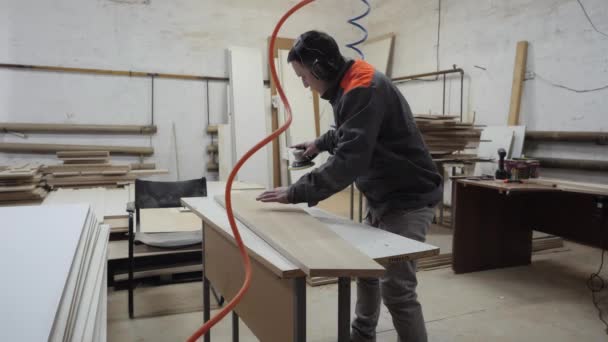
<point x="519" y="74"/>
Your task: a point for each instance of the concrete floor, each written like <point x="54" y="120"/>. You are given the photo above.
<point x="546" y="301"/>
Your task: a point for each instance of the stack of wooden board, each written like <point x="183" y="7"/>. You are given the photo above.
<point x="54" y="260"/>
<point x="21" y="184"/>
<point x="91" y="168"/>
<point x="444" y="134"/>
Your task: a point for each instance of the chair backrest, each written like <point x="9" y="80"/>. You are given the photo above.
<point x="151" y="194"/>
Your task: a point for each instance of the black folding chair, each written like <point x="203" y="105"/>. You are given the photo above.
<point x="174" y="248"/>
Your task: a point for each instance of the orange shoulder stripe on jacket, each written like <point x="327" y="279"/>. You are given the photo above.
<point x="360" y="74"/>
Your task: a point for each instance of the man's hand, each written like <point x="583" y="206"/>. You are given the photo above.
<point x="310" y="148"/>
<point x="276" y="195"/>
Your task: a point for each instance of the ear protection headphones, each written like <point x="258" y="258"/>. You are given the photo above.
<point x="321" y="68"/>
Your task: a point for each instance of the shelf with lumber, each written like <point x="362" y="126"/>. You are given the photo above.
<point x="445" y="134"/>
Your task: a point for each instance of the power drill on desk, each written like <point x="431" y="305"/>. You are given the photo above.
<point x="302" y="162"/>
<point x="502" y="173"/>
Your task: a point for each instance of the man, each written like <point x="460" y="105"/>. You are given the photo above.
<point x="377" y="145"/>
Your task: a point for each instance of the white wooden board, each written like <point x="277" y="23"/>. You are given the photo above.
<point x="30" y="301"/>
<point x="378" y="52"/>
<point x="75" y="279"/>
<point x="224" y="143"/>
<point x="517" y="147"/>
<point x="84" y="325"/>
<point x="104" y="202"/>
<point x="248" y="115"/>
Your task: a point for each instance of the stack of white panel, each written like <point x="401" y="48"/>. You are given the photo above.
<point x="53" y="265"/>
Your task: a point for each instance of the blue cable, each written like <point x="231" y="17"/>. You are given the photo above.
<point x="354" y="22"/>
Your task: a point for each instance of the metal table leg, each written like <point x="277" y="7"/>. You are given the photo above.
<point x="343" y="309"/>
<point x="235" y="327"/>
<point x="352" y="202"/>
<point x="206" y="292"/>
<point x="360" y="206"/>
<point x="206" y="306"/>
<point x="300" y="309"/>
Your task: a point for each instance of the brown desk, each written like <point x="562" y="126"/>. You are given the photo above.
<point x="493" y="221"/>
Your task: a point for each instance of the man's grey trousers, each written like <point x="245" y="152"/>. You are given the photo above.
<point x="397" y="288"/>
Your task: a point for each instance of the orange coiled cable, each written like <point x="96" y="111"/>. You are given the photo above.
<point x="235" y="231"/>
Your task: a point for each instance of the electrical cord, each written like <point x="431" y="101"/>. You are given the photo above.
<point x="557" y="85"/>
<point x="589" y="19"/>
<point x="229" y="212"/>
<point x="595" y="282"/>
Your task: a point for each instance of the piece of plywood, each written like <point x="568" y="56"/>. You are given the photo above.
<point x="519" y="72"/>
<point x="105" y="203"/>
<point x="164" y="220"/>
<point x="517" y="147"/>
<point x="119" y="224"/>
<point x="248" y="114"/>
<point x="308" y="243"/>
<point x="379" y="52"/>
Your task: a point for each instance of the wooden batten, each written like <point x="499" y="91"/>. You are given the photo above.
<point x="23" y="127"/>
<point x="82" y="154"/>
<point x="54" y="148"/>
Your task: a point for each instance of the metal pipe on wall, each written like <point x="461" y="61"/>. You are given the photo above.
<point x="112" y="72"/>
<point x="595" y="137"/>
<point x="437" y="73"/>
<point x="576" y="164"/>
<point x="427" y="74"/>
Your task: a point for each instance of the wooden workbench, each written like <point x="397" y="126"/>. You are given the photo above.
<point x="493" y="221"/>
<point x="275" y="306"/>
